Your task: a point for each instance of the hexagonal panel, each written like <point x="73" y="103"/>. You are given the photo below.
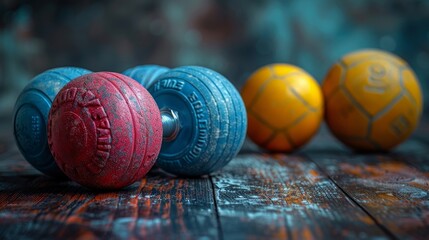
<point x="258" y="130"/>
<point x="358" y="56"/>
<point x="280" y="143"/>
<point x="332" y="80"/>
<point x="396" y="124"/>
<point x="412" y="87"/>
<point x="372" y="84"/>
<point x="303" y="130"/>
<point x="306" y="89"/>
<point x="277" y="104"/>
<point x="253" y="85"/>
<point x="364" y="55"/>
<point x="344" y="118"/>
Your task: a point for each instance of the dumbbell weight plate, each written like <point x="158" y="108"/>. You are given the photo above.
<point x="31" y="116"/>
<point x="212" y="120"/>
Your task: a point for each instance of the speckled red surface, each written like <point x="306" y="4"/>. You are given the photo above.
<point x="104" y="130"/>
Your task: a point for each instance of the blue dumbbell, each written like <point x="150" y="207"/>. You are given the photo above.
<point x="31" y="116"/>
<point x="145" y="74"/>
<point x="204" y="120"/>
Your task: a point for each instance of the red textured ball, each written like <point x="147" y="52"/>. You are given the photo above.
<point x="104" y="130"/>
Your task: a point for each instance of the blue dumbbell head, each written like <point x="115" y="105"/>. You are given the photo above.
<point x="31" y="116"/>
<point x="204" y="120"/>
<point x="145" y="74"/>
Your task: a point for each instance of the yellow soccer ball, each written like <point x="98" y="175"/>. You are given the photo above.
<point x="373" y="100"/>
<point x="284" y="107"/>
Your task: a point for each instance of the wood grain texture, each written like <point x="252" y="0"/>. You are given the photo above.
<point x="392" y="188"/>
<point x="160" y="206"/>
<point x="393" y="192"/>
<point x="280" y="197"/>
<point x="335" y="193"/>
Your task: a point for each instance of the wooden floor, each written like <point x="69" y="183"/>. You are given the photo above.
<point x="322" y="192"/>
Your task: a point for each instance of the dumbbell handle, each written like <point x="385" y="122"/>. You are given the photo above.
<point x="170" y="124"/>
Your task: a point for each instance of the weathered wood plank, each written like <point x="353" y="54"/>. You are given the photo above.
<point x="257" y="196"/>
<point x="159" y="207"/>
<point x="279" y="197"/>
<point x="391" y="190"/>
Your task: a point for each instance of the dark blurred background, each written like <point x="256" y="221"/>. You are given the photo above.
<point x="232" y="37"/>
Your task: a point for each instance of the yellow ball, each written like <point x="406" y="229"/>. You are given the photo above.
<point x="373" y="100"/>
<point x="284" y="107"/>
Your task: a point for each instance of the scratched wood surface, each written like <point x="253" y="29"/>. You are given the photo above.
<point x="37" y="207"/>
<point x="392" y="188"/>
<point x="392" y="191"/>
<point x="278" y="196"/>
<point x="324" y="191"/>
